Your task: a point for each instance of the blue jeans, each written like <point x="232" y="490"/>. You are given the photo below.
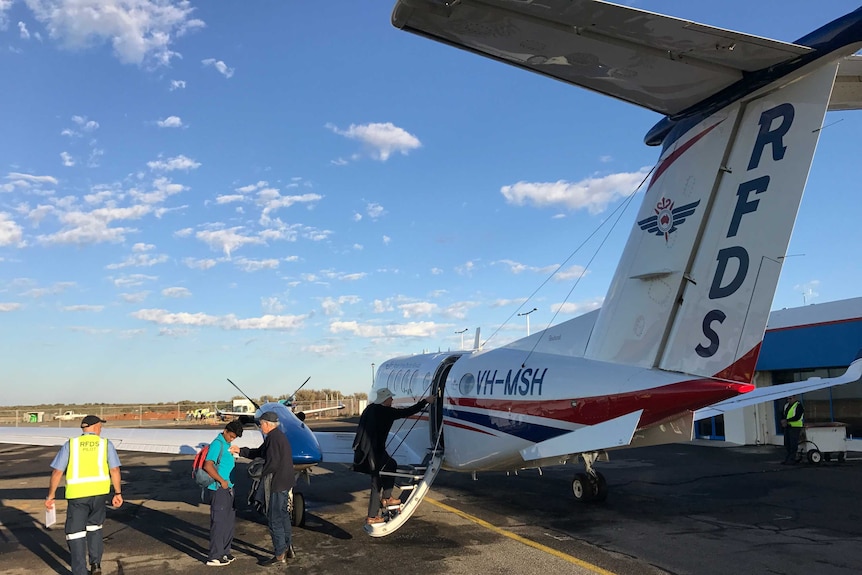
<point x="278" y="520"/>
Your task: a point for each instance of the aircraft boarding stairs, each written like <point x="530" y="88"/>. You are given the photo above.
<point x="417" y="481"/>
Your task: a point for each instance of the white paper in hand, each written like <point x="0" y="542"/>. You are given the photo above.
<point x="50" y="516"/>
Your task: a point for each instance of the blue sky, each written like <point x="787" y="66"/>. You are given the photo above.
<point x="268" y="191"/>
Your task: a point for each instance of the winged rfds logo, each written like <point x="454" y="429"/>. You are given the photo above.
<point x="667" y="218"/>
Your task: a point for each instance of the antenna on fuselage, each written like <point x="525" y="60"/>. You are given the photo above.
<point x="476" y="340"/>
<point x="253" y="402"/>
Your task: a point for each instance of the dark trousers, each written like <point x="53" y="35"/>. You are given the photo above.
<point x="278" y="520"/>
<point x="381" y="487"/>
<point x="222" y="520"/>
<point x="84" y="519"/>
<point x="791" y="442"/>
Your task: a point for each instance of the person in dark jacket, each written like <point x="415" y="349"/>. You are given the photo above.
<point x="369" y="448"/>
<point x="278" y="472"/>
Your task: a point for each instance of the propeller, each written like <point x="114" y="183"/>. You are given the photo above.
<point x="253" y="402"/>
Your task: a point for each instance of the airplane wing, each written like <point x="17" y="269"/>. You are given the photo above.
<point x="321" y="409"/>
<point x="659" y="62"/>
<point x="616" y="432"/>
<point x="773" y="392"/>
<point x="178" y="441"/>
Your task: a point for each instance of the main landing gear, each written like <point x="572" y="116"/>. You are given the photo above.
<point x="590" y="486"/>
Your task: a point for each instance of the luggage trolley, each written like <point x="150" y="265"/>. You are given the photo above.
<point x="820" y="441"/>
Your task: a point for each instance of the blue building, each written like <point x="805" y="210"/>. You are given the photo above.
<point x="817" y="340"/>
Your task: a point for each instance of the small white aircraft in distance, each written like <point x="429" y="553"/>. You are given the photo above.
<point x="247" y="418"/>
<point x="683" y="320"/>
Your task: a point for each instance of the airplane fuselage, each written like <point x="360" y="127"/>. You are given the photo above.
<point x="494" y="404"/>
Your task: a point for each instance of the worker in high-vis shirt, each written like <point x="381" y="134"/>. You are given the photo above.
<point x="91" y="466"/>
<point x="791" y="420"/>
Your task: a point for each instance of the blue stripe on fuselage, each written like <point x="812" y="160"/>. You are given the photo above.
<point x="521" y="429"/>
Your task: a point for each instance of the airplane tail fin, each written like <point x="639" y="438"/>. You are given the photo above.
<point x="695" y="284"/>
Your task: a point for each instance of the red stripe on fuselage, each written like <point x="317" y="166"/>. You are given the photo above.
<point x="452" y="424"/>
<point x="674" y="156"/>
<point x="659" y="403"/>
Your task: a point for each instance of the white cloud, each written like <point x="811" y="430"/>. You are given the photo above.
<point x="271" y="305"/>
<point x="227" y="240"/>
<point x="22" y="29"/>
<point x="412" y="329"/>
<point x="83" y="308"/>
<point x="332" y="306"/>
<point x="67" y="159"/>
<point x="140" y="31"/>
<point x="229" y="322"/>
<point x="176" y="292"/>
<point x="417" y="309"/>
<point x="222" y="68"/>
<point x="139" y="261"/>
<point x="248" y="265"/>
<point x="133" y="280"/>
<point x="203" y="264"/>
<point x="10" y="231"/>
<point x="136" y="297"/>
<point x="170" y="122"/>
<point x="177" y="85"/>
<point x="142" y="247"/>
<point x="85" y="124"/>
<point x="180" y="162"/>
<point x="382" y="139"/>
<point x="94" y="227"/>
<point x="374" y="210"/>
<point x="592" y="194"/>
<point x="9" y="306"/>
<point x="569" y="308"/>
<point x="24" y="180"/>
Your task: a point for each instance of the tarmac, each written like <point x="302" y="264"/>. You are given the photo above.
<point x="676" y="509"/>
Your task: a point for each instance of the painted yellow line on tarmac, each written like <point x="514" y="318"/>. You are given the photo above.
<point x="518" y="538"/>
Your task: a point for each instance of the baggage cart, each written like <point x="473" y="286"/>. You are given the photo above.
<point x="820" y="441"/>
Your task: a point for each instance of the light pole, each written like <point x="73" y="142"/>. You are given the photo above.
<point x="462" y="336"/>
<point x="527" y="315"/>
<point x="372" y="375"/>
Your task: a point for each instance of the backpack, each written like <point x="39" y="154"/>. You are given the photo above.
<point x="199" y="475"/>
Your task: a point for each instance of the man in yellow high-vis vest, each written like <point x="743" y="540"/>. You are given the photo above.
<point x="91" y="465"/>
<point x="792" y="418"/>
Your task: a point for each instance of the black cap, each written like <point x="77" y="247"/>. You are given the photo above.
<point x="269" y="416"/>
<point x="91" y="420"/>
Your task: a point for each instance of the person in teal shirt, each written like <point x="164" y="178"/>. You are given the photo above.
<point x="219" y="464"/>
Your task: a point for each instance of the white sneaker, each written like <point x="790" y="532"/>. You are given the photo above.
<point x="219" y="562"/>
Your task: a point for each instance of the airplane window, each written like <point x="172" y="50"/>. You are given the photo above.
<point x="468" y="382"/>
<point x="426" y="384"/>
<point x="397" y="383"/>
<point x="390" y="380"/>
<point x="412" y="387"/>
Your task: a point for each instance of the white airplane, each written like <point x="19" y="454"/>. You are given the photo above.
<point x="684" y="317"/>
<point x="683" y="320"/>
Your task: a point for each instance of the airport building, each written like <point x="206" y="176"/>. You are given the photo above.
<point x="817" y="340"/>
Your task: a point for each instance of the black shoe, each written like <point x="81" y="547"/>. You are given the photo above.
<point x="274" y="561"/>
<point x="230" y="558"/>
<point x="95" y="569"/>
<point x="221" y="562"/>
<point x="290" y="554"/>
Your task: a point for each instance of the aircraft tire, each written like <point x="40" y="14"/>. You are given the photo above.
<point x="582" y="488"/>
<point x="297" y="509"/>
<point x="600" y="487"/>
